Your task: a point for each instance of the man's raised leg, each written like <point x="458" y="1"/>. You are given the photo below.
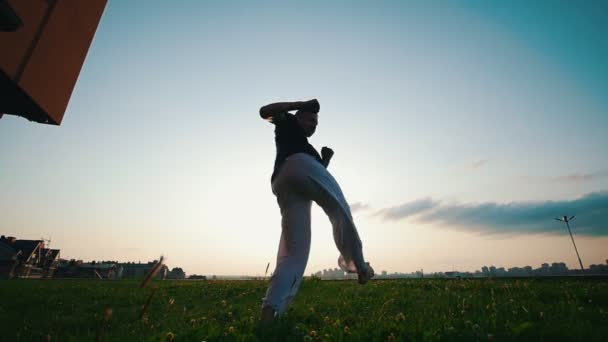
<point x="327" y="193"/>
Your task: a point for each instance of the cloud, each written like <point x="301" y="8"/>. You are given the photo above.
<point x="581" y="177"/>
<point x="591" y="212"/>
<point x="358" y="206"/>
<point x="477" y="164"/>
<point x="407" y="209"/>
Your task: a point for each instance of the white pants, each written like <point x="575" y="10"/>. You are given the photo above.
<point x="301" y="180"/>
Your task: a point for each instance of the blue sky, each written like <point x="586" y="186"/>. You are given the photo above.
<point x="464" y="109"/>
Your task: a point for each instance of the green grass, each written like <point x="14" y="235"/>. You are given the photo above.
<point x="429" y="309"/>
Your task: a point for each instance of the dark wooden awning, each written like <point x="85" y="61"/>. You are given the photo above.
<point x="41" y="60"/>
<point x="9" y="20"/>
<point x="14" y="100"/>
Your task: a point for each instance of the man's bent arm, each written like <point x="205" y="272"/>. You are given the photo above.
<point x="283" y="107"/>
<point x="277" y="108"/>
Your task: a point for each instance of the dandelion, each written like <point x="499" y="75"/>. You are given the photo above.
<point x="312" y="333"/>
<point x="391" y="337"/>
<point x="400" y="317"/>
<point x="107" y="313"/>
<point x="169" y="336"/>
<point x="231" y="330"/>
<point x="346" y="330"/>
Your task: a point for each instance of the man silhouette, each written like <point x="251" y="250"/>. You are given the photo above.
<point x="300" y="177"/>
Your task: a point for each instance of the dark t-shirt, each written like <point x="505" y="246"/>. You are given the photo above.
<point x="290" y="139"/>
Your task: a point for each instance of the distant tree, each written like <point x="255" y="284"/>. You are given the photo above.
<point x="177" y="273"/>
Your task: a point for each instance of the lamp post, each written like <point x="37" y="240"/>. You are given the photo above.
<point x="566" y="220"/>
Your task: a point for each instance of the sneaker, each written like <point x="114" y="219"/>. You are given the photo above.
<point x="366" y="274"/>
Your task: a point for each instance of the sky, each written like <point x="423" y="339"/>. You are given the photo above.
<point x="461" y="129"/>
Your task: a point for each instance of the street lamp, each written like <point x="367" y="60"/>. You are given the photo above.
<point x="566" y="220"/>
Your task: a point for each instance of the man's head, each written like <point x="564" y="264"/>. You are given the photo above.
<point x="308" y="120"/>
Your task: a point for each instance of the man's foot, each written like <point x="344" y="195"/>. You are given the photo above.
<point x="366" y="274"/>
<point x="268" y="315"/>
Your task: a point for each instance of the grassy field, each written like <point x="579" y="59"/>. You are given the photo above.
<point x="390" y="310"/>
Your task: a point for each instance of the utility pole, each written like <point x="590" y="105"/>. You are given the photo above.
<point x="567" y="220"/>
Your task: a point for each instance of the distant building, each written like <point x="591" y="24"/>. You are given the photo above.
<point x="139" y="270"/>
<point x="559" y="268"/>
<point x="199" y="277"/>
<point x="26" y="258"/>
<point x="88" y="270"/>
<point x="599" y="269"/>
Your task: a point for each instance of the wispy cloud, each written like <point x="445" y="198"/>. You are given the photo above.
<point x="570" y="178"/>
<point x="591" y="212"/>
<point x="477" y="164"/>
<point x="406" y="209"/>
<point x="358" y="206"/>
<point x="581" y="177"/>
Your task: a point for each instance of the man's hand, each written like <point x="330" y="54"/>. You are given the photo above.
<point x="312" y="105"/>
<point x="326" y="154"/>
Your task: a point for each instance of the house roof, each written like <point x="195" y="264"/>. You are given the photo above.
<point x="138" y="265"/>
<point x="6" y="252"/>
<point x="49" y="253"/>
<point x="27" y="247"/>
